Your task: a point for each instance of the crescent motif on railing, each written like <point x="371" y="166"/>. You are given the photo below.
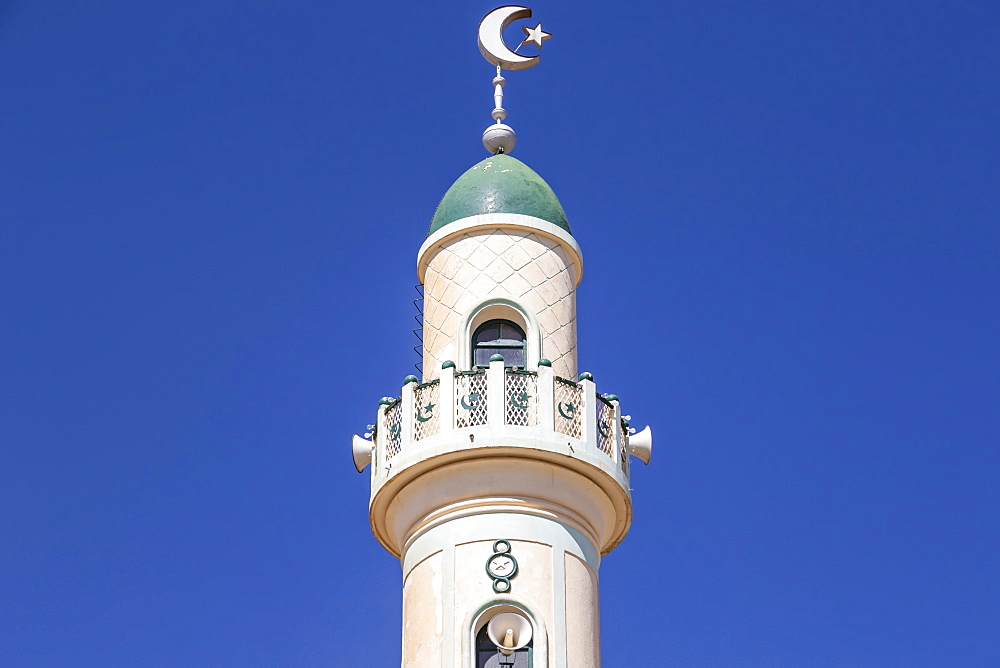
<point x="430" y="410"/>
<point x="520" y="400"/>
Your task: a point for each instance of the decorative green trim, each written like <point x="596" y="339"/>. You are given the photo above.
<point x="496" y="357"/>
<point x="430" y="412"/>
<point x="429" y="383"/>
<point x="410" y="379"/>
<point x="611" y="397"/>
<point x="386" y="401"/>
<point x="569" y="407"/>
<point x="586" y="376"/>
<point x="567" y="381"/>
<point x="474" y="397"/>
<point x="520" y="401"/>
<point x="544" y="362"/>
<point x="448" y="364"/>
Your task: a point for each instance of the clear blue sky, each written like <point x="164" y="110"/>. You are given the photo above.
<point x="209" y="218"/>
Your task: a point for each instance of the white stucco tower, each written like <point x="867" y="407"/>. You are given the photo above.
<point x="501" y="477"/>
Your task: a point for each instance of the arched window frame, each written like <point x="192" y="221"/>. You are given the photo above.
<point x="501" y="309"/>
<point x="478" y="619"/>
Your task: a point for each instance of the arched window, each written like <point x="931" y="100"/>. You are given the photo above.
<point x="498" y="336"/>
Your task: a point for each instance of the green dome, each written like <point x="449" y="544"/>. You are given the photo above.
<point x="499" y="184"/>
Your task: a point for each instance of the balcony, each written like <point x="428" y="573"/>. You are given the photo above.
<point x="466" y="411"/>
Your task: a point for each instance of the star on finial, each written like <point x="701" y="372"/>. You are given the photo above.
<point x="535" y="35"/>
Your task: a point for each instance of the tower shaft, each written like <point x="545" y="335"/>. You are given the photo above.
<point x="500" y="478"/>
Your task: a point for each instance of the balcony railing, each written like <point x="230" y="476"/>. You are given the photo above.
<point x="499" y="397"/>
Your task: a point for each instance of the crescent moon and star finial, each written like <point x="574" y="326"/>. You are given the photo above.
<point x="500" y="138"/>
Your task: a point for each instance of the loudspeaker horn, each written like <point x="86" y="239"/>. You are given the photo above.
<point x="509" y="631"/>
<point x="641" y="445"/>
<point x="362" y="451"/>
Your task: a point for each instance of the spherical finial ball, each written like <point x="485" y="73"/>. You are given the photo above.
<point x="499" y="138"/>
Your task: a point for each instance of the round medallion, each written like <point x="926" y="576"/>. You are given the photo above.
<point x="501" y="566"/>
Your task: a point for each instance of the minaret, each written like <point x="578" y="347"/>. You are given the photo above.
<point x="501" y="477"/>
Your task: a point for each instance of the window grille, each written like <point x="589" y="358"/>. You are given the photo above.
<point x="568" y="399"/>
<point x="427" y="413"/>
<point x="470" y="399"/>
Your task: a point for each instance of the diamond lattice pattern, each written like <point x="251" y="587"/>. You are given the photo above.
<point x="568" y="398"/>
<point x="394" y="428"/>
<point x="521" y="402"/>
<point x="470" y="399"/>
<point x="490" y="264"/>
<point x="426" y="410"/>
<point x="605" y="426"/>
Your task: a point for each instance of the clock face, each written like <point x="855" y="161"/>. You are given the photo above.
<point x="502" y="565"/>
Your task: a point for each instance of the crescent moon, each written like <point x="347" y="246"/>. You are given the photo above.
<point x="516" y="401"/>
<point x="491" y="38"/>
